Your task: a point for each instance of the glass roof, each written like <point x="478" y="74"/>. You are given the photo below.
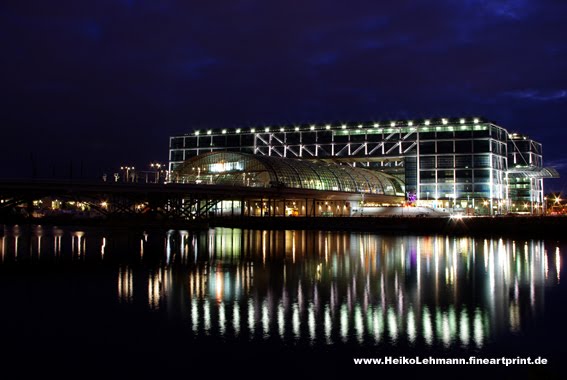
<point x="240" y="169"/>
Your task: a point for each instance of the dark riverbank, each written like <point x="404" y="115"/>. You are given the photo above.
<point x="524" y="226"/>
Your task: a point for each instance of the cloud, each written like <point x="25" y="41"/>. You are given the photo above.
<point x="507" y="9"/>
<point x="559" y="164"/>
<point x="326" y="58"/>
<point x="538" y="95"/>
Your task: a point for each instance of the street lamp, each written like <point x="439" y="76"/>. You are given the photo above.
<point x="157" y="167"/>
<point x="127" y="170"/>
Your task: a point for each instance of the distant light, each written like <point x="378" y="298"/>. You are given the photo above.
<point x="209" y="132"/>
<point x="376" y="125"/>
<point x="312" y="128"/>
<point x="267" y="129"/>
<point x="224" y="131"/>
<point x="359" y="125"/>
<point x="444" y="121"/>
<point x="252" y="130"/>
<point x="343" y="126"/>
<point x="427" y="122"/>
<point x="296" y="129"/>
<point x="393" y="124"/>
<point x="475" y="120"/>
<point x="462" y="121"/>
<point x="282" y="129"/>
<point x="327" y="126"/>
<point x="196" y="133"/>
<point x="410" y="123"/>
<point x="237" y="130"/>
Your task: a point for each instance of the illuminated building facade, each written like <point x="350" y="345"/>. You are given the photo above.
<point x="241" y="169"/>
<point x="526" y="173"/>
<point x="463" y="163"/>
<point x="345" y="185"/>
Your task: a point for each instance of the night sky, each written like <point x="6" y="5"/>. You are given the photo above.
<point x="89" y="85"/>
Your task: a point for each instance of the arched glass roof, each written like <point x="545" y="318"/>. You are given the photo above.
<point x="240" y="169"/>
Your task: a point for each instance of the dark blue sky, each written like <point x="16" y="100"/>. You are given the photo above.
<point x="104" y="83"/>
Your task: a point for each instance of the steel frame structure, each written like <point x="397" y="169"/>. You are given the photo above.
<point x="445" y="161"/>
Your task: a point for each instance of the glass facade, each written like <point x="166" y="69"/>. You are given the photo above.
<point x="525" y="158"/>
<point x="454" y="163"/>
<point x="241" y="169"/>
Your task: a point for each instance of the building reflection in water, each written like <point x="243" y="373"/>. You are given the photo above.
<point x="125" y="284"/>
<point x="318" y="287"/>
<point x="340" y="287"/>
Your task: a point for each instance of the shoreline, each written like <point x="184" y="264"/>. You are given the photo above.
<point x="524" y="226"/>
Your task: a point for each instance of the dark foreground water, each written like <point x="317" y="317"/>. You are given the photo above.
<point x="265" y="304"/>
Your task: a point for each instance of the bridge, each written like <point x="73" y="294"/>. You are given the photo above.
<point x="179" y="201"/>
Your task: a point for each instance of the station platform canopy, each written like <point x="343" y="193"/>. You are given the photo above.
<point x="247" y="170"/>
<point x="533" y="172"/>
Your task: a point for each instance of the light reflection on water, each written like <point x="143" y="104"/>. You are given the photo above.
<point x="319" y="287"/>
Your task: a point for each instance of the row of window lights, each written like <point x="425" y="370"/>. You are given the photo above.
<point x="344" y="126"/>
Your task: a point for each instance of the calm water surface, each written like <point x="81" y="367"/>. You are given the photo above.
<point x="235" y="301"/>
